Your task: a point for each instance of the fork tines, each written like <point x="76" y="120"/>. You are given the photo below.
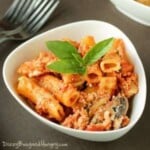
<point x="43" y="10"/>
<point x="30" y="15"/>
<point x="19" y="10"/>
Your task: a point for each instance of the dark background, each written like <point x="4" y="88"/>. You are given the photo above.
<point x="16" y="124"/>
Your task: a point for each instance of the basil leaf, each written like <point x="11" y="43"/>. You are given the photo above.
<point x="70" y="60"/>
<point x="62" y="49"/>
<point x="78" y="58"/>
<point x="98" y="51"/>
<point x="67" y="66"/>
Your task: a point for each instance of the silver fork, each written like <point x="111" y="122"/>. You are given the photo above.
<point x="17" y="13"/>
<point x="34" y="22"/>
<point x="18" y="16"/>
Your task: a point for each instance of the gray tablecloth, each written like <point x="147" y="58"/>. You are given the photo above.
<point x="18" y="126"/>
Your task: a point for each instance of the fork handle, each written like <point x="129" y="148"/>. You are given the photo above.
<point x="4" y="39"/>
<point x="10" y="32"/>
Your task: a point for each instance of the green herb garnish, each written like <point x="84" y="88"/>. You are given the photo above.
<point x="70" y="60"/>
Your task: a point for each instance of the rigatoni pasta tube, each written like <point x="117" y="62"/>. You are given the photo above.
<point x="111" y="62"/>
<point x="75" y="79"/>
<point x="85" y="44"/>
<point x="66" y="94"/>
<point x="107" y="86"/>
<point x="93" y="74"/>
<point x="43" y="100"/>
<point x="110" y="65"/>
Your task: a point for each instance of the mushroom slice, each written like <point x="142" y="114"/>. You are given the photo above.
<point x="120" y="106"/>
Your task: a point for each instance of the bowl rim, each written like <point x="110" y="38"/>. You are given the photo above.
<point x="133" y="2"/>
<point x="138" y="17"/>
<point x="49" y="122"/>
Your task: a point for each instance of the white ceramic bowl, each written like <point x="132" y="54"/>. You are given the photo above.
<point x="134" y="10"/>
<point x="100" y="30"/>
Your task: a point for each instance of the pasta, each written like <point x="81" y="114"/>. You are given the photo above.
<point x="66" y="94"/>
<point x="37" y="66"/>
<point x="43" y="100"/>
<point x="111" y="63"/>
<point x="74" y="79"/>
<point x="107" y="86"/>
<point x="98" y="100"/>
<point x="85" y="44"/>
<point x="93" y="74"/>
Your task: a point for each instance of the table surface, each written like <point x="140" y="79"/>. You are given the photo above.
<point x="16" y="124"/>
